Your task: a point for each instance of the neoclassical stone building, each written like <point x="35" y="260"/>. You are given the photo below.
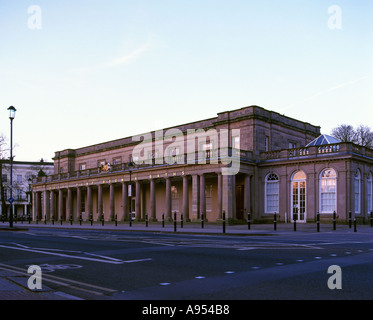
<point x="244" y="160"/>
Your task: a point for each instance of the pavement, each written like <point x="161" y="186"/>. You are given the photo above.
<point x="13" y="281"/>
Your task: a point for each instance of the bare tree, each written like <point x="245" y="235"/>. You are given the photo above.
<point x="362" y="135"/>
<point x="345" y="133"/>
<point x="3" y="154"/>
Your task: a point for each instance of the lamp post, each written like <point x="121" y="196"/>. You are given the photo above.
<point x="12" y="114"/>
<point x="130" y="167"/>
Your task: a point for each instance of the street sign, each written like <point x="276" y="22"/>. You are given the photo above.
<point x="11" y="200"/>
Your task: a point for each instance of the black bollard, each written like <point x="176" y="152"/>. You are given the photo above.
<point x="80" y="219"/>
<point x="71" y="220"/>
<point x="175" y="222"/>
<point x="355" y="225"/>
<point x="334" y="220"/>
<point x="371" y="219"/>
<point x="102" y="219"/>
<point x="91" y="218"/>
<point x="275" y="222"/>
<point x="181" y="221"/>
<point x="295" y="221"/>
<point x="116" y="220"/>
<point x="130" y="219"/>
<point x="248" y="220"/>
<point x="146" y="220"/>
<point x="223" y="221"/>
<point x="349" y="219"/>
<point x="45" y="219"/>
<point x="162" y="220"/>
<point x="202" y="220"/>
<point x="318" y="221"/>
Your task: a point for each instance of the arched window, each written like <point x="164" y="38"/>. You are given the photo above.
<point x="272" y="193"/>
<point x="369" y="193"/>
<point x="328" y="191"/>
<point x="357" y="184"/>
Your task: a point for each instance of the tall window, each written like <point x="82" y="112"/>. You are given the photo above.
<point x="272" y="193"/>
<point x="369" y="193"/>
<point x="357" y="188"/>
<point x="328" y="191"/>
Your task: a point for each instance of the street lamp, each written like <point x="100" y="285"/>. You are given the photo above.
<point x="130" y="168"/>
<point x="12" y="114"/>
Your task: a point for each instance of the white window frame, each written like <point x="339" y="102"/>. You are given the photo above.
<point x="321" y="205"/>
<point x="267" y="183"/>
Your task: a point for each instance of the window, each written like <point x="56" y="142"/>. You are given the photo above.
<point x="267" y="144"/>
<point x="82" y="166"/>
<point x="19" y="194"/>
<point x="5" y="178"/>
<point x="292" y="145"/>
<point x="328" y="191"/>
<point x="236" y="142"/>
<point x="117" y="161"/>
<point x="357" y="188"/>
<point x="19" y="178"/>
<point x="272" y="193"/>
<point x="369" y="193"/>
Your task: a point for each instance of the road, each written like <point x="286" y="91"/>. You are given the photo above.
<point x="117" y="265"/>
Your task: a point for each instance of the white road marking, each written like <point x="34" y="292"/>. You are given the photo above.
<point x="48" y="252"/>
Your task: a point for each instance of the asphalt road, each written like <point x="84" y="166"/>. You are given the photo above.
<point x="117" y="265"/>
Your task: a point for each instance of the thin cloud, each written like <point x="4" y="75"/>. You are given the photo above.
<point x="348" y="83"/>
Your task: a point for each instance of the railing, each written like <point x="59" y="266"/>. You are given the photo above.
<point x="315" y="151"/>
<point x="199" y="157"/>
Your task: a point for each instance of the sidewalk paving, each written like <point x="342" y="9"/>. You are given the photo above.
<point x="13" y="283"/>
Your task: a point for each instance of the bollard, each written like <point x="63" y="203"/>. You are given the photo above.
<point x="295" y="221"/>
<point x="371" y="219"/>
<point x="175" y="227"/>
<point x="146" y="220"/>
<point x="334" y="220"/>
<point x="248" y="220"/>
<point x="275" y="222"/>
<point x="223" y="221"/>
<point x="102" y="219"/>
<point x="318" y="221"/>
<point x="116" y="220"/>
<point x="355" y="225"/>
<point x="349" y="219"/>
<point x="45" y="219"/>
<point x="80" y="219"/>
<point x="29" y="219"/>
<point x="181" y="221"/>
<point x="71" y="220"/>
<point x="162" y="220"/>
<point x="202" y="220"/>
<point x="91" y="218"/>
<point x="130" y="219"/>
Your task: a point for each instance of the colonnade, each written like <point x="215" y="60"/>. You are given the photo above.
<point x="90" y="198"/>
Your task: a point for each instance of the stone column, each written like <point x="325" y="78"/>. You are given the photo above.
<point x="125" y="201"/>
<point x="202" y="195"/>
<point x="195" y="197"/>
<point x="112" y="202"/>
<point x="60" y="204"/>
<point x="138" y="200"/>
<point x="69" y="203"/>
<point x="220" y="197"/>
<point x="153" y="214"/>
<point x="100" y="203"/>
<point x="186" y="198"/>
<point x="168" y="199"/>
<point x="89" y="201"/>
<point x="46" y="211"/>
<point x="78" y="211"/>
<point x="52" y="206"/>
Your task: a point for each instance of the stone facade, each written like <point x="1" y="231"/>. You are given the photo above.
<point x="94" y="181"/>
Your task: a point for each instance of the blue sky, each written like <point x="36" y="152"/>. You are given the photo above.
<point x="103" y="70"/>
